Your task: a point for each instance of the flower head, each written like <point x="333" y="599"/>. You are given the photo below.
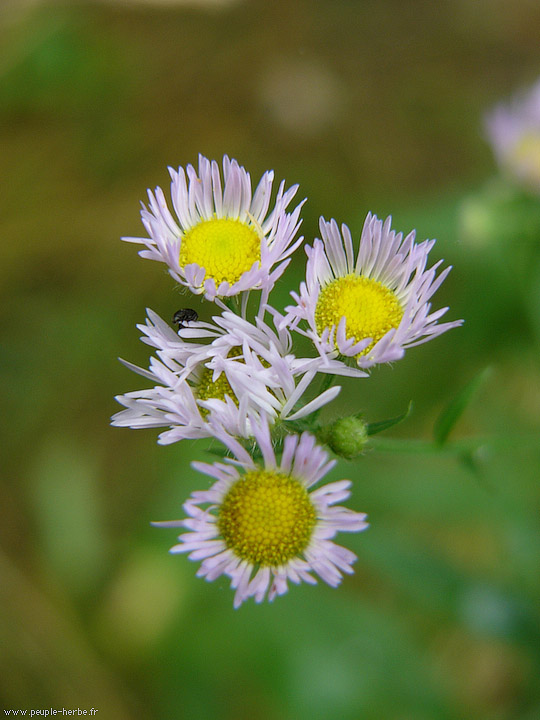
<point x="262" y="524"/>
<point x="224" y="239"/>
<point x="224" y="371"/>
<point x="513" y="130"/>
<point x="373" y="308"/>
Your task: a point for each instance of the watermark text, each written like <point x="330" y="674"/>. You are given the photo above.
<point x="52" y="712"/>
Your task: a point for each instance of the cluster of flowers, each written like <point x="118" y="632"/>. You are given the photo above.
<point x="235" y="379"/>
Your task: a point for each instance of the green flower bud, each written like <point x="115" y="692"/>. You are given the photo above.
<point x="346" y="437"/>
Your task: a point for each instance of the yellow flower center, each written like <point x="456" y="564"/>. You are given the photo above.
<point x="225" y="248"/>
<point x="526" y="154"/>
<point x="267" y="518"/>
<point x="208" y="389"/>
<point x="370" y="308"/>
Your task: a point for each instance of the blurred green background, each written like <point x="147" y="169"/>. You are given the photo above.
<point x="369" y="106"/>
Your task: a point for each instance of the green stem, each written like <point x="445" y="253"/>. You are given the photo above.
<point x="232" y="303"/>
<point x="414" y="447"/>
<point x="327" y="382"/>
<point x="457" y="447"/>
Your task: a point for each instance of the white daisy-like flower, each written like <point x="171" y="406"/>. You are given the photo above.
<point x="183" y="404"/>
<point x="224" y="239"/>
<point x="261" y="524"/>
<point x="244" y="370"/>
<point x="375" y="307"/>
<point x="513" y="130"/>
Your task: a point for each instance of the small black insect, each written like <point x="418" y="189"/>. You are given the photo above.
<point x="184" y="315"/>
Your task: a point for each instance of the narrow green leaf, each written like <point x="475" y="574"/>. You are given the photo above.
<point x="427" y="447"/>
<point x="377" y="427"/>
<point x="455" y="408"/>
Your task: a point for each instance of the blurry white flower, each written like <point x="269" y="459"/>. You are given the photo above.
<point x="301" y="95"/>
<point x="513" y="130"/>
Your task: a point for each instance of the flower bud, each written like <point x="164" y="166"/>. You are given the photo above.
<point x="346" y="437"/>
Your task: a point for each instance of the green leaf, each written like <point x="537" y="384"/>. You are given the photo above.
<point x="455" y="408"/>
<point x="377" y="427"/>
<point x="470" y="461"/>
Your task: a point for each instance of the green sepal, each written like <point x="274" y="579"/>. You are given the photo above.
<point x="377" y="427"/>
<point x="299" y="426"/>
<point x="455" y="408"/>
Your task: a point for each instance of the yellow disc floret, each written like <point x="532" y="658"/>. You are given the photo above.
<point x="208" y="389"/>
<point x="267" y="518"/>
<point x="225" y="248"/>
<point x="370" y="308"/>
